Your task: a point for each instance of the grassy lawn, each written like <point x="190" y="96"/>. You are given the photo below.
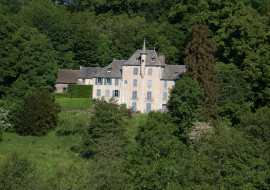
<point x="74" y="103"/>
<point x="52" y="151"/>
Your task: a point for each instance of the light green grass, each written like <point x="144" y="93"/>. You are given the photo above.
<point x="133" y="125"/>
<point x="48" y="152"/>
<point x="51" y="152"/>
<point x="74" y="103"/>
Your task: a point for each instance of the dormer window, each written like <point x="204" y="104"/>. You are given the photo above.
<point x="152" y="59"/>
<point x="175" y="73"/>
<point x="109" y="69"/>
<point x="138" y="59"/>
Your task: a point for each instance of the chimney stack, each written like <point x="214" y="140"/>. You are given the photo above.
<point x="161" y="57"/>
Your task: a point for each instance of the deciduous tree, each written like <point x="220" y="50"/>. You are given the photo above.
<point x="184" y="105"/>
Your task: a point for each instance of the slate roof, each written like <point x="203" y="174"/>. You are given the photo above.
<point x="116" y="70"/>
<point x="88" y="72"/>
<point x="67" y="76"/>
<point x="150" y="54"/>
<point x="169" y="70"/>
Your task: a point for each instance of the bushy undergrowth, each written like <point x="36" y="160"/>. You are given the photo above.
<point x="38" y="115"/>
<point x="74" y="103"/>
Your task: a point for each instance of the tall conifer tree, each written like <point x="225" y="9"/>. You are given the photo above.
<point x="200" y="66"/>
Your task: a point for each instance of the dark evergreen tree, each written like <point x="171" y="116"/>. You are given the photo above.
<point x="38" y="115"/>
<point x="200" y="66"/>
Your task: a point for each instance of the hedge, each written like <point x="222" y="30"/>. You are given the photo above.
<point x="74" y="103"/>
<point x="59" y="95"/>
<point x="79" y="91"/>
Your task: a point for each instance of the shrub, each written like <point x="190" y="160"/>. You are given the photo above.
<point x="129" y="112"/>
<point x="1" y="130"/>
<point x="107" y="118"/>
<point x="75" y="103"/>
<point x="59" y="95"/>
<point x="38" y="115"/>
<point x="17" y="172"/>
<point x="123" y="107"/>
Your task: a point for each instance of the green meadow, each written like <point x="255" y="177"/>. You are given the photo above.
<point x="74" y="103"/>
<point x="53" y="151"/>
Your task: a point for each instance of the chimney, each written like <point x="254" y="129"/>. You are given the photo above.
<point x="161" y="57"/>
<point x="80" y="67"/>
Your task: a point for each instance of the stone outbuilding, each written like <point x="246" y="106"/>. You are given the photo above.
<point x="64" y="78"/>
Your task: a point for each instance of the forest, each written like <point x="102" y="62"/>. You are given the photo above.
<point x="215" y="134"/>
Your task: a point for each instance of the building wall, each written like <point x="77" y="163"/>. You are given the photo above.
<point x="111" y="87"/>
<point x="59" y="88"/>
<point x="156" y="89"/>
<point x="86" y="81"/>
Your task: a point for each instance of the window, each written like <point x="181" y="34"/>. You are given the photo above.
<point x="83" y="81"/>
<point x="108" y="80"/>
<point x="174" y="82"/>
<point x="164" y="109"/>
<point x="135" y="71"/>
<point x="164" y="95"/>
<point x="99" y="81"/>
<point x="109" y="69"/>
<point x="149" y="83"/>
<point x="152" y="59"/>
<point x="134" y="82"/>
<point x="125" y="81"/>
<point x="98" y="92"/>
<point x="116" y="93"/>
<point x="107" y="93"/>
<point x="64" y="89"/>
<point x="149" y="71"/>
<point x="149" y="95"/>
<point x="116" y="82"/>
<point x="125" y="102"/>
<point x="148" y="106"/>
<point x="175" y="73"/>
<point x="138" y="59"/>
<point x="165" y="84"/>
<point x="134" y="95"/>
<point x="134" y="106"/>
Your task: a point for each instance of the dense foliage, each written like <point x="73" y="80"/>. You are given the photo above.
<point x="184" y="105"/>
<point x="38" y="115"/>
<point x="106" y="124"/>
<point x="200" y="67"/>
<point x="225" y="46"/>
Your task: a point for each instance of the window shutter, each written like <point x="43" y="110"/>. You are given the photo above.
<point x="149" y="83"/>
<point x="107" y="93"/>
<point x="113" y="93"/>
<point x="96" y="81"/>
<point x="118" y="93"/>
<point x="135" y="72"/>
<point x="98" y="92"/>
<point x="116" y="82"/>
<point x="134" y="94"/>
<point x="134" y="106"/>
<point x="148" y="106"/>
<point x="149" y="95"/>
<point x="105" y="82"/>
<point x="111" y="81"/>
<point x="165" y="84"/>
<point x="149" y="71"/>
<point x="134" y="82"/>
<point x="164" y="95"/>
